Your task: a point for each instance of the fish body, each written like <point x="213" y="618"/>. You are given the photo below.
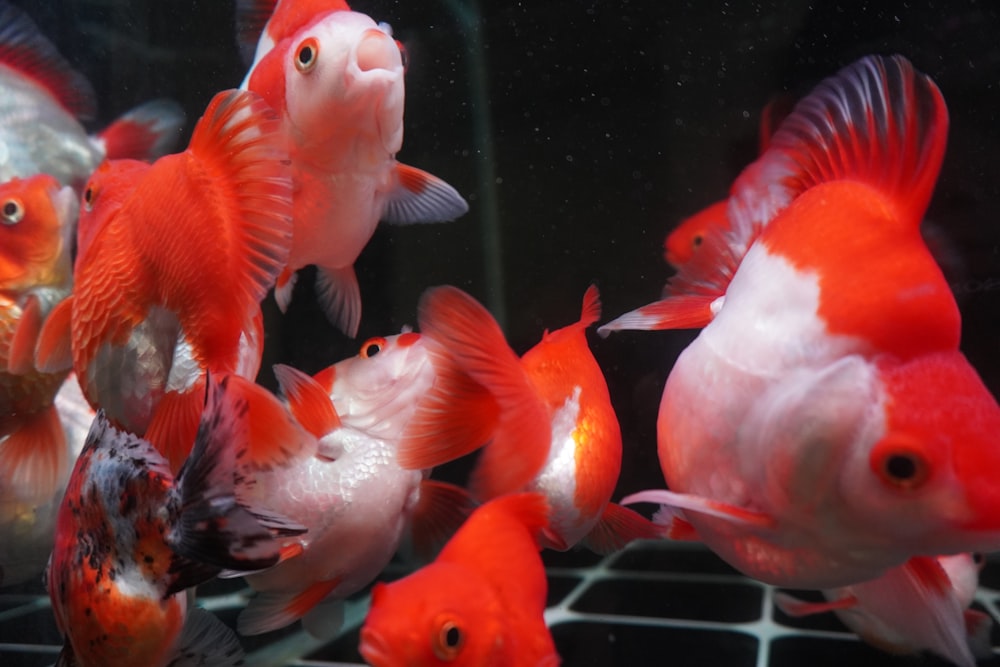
<point x="922" y="605"/>
<point x="824" y="427"/>
<point x="131" y="538"/>
<point x="481" y="602"/>
<point x="547" y="416"/>
<point x="337" y="84"/>
<point x="175" y="259"/>
<point x="43" y="102"/>
<point x="349" y="491"/>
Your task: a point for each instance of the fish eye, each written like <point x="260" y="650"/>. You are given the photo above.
<point x="12" y="211"/>
<point x="306" y="55"/>
<point x="697" y="240"/>
<point x="978" y="558"/>
<point x="901" y="466"/>
<point x="88" y="197"/>
<point x="449" y="641"/>
<point x="372" y="347"/>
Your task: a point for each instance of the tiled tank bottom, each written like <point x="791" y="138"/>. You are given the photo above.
<point x="652" y="604"/>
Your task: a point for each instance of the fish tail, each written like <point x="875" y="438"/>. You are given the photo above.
<point x="215" y="526"/>
<point x="34" y="457"/>
<point x="482" y="394"/>
<point x="239" y="143"/>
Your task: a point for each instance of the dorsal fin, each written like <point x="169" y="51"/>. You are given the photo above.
<point x="25" y="49"/>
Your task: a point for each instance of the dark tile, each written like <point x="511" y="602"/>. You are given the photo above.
<point x="578" y="557"/>
<point x="37" y="627"/>
<point x="725" y="603"/>
<point x="815" y="652"/>
<point x="587" y="644"/>
<point x="667" y="557"/>
<point x="25" y="659"/>
<point x="343" y="649"/>
<point x="559" y="588"/>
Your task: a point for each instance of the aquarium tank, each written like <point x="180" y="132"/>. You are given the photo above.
<point x="831" y="332"/>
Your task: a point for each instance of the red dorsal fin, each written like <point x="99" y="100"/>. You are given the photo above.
<point x="590" y="312"/>
<point x="34" y="456"/>
<point x="25" y="49"/>
<point x="877" y="121"/>
<point x="174" y="424"/>
<point x="441" y="510"/>
<point x="309" y="402"/>
<point x="146" y="132"/>
<point x="274" y="437"/>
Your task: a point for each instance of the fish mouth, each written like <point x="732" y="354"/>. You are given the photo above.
<point x="374" y="649"/>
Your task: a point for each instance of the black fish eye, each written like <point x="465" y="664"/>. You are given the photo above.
<point x="305" y="57"/>
<point x="88" y="198"/>
<point x="12" y="212"/>
<point x="449" y="641"/>
<point x="697" y="240"/>
<point x="372" y="347"/>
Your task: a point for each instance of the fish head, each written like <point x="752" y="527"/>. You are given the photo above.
<point x="928" y="483"/>
<point x="104" y="193"/>
<point x="382" y="383"/>
<point x="444" y="614"/>
<point x="342" y="80"/>
<point x="36" y="223"/>
<point x="687" y="238"/>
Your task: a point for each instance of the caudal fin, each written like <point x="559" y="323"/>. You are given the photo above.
<point x="214" y="526"/>
<point x="34" y="457"/>
<point x="239" y="143"/>
<point x="478" y="365"/>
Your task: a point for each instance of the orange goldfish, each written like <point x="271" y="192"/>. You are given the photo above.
<point x="480" y="603"/>
<point x="548" y="418"/>
<point x="337" y="84"/>
<point x="36" y="223"/>
<point x="43" y="101"/>
<point x="349" y="491"/>
<point x="824" y="426"/>
<point x="175" y="259"/>
<point x="921" y="605"/>
<point x="130" y="539"/>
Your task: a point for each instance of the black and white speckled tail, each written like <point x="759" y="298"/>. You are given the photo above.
<point x="206" y="642"/>
<point x="213" y="526"/>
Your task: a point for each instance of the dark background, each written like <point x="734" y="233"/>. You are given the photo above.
<point x="580" y="132"/>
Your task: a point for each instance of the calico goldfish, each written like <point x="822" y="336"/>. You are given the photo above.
<point x="922" y="605"/>
<point x="547" y="416"/>
<point x="175" y="259"/>
<point x="36" y="223"/>
<point x="824" y="426"/>
<point x="349" y="491"/>
<point x="481" y="602"/>
<point x="131" y="538"/>
<point x="43" y="101"/>
<point x="337" y="84"/>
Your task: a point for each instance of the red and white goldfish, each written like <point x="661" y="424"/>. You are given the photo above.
<point x="547" y="416"/>
<point x="824" y="426"/>
<point x="337" y="84"/>
<point x="131" y="538"/>
<point x="480" y="603"/>
<point x="349" y="491"/>
<point x="36" y="224"/>
<point x="174" y="260"/>
<point x="922" y="605"/>
<point x="43" y="101"/>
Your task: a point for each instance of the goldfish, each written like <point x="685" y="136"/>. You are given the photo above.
<point x="481" y="602"/>
<point x="547" y="416"/>
<point x="174" y="260"/>
<point x="349" y="491"/>
<point x="36" y="223"/>
<point x="337" y="84"/>
<point x="921" y="605"/>
<point x="824" y="426"/>
<point x="131" y="538"/>
<point x="43" y="102"/>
